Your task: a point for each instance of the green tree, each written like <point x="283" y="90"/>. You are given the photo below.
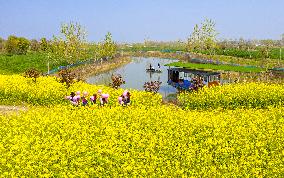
<point x="71" y="46"/>
<point x="11" y="45"/>
<point x="194" y="41"/>
<point x="267" y="46"/>
<point x="75" y="40"/>
<point x="23" y="45"/>
<point x="2" y="44"/>
<point x="280" y="49"/>
<point x="203" y="37"/>
<point x="108" y="47"/>
<point x="17" y="45"/>
<point x="43" y="44"/>
<point x="208" y="34"/>
<point x="35" y="45"/>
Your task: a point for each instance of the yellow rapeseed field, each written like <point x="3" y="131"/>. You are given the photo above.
<point x="146" y="139"/>
<point x="241" y="95"/>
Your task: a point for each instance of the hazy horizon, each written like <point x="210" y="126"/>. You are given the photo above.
<point x="135" y="21"/>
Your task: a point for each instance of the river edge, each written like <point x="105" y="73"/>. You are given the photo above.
<point x="98" y="67"/>
<point x="265" y="63"/>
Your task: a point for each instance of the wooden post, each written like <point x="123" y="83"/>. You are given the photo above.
<point x="280" y="55"/>
<point x="48" y="67"/>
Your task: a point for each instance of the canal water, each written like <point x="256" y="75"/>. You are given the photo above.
<point x="135" y="75"/>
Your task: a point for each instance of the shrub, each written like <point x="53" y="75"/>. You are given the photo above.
<point x="67" y="77"/>
<point x="32" y="73"/>
<point x="152" y="86"/>
<point x="17" y="45"/>
<point x="117" y="81"/>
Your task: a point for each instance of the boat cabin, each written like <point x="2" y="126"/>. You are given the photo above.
<point x="182" y="77"/>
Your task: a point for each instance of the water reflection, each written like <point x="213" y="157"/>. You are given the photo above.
<point x="135" y="75"/>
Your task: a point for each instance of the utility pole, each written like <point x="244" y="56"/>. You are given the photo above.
<point x="48" y="67"/>
<point x="281" y="45"/>
<point x="280" y="55"/>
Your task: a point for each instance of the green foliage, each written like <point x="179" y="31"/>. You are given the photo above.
<point x="35" y="45"/>
<point x="17" y="45"/>
<point x="56" y="51"/>
<point x="70" y="46"/>
<point x="203" y="37"/>
<point x="216" y="67"/>
<point x="2" y="45"/>
<point x="43" y="45"/>
<point x="18" y="64"/>
<point x="107" y="48"/>
<point x="258" y="53"/>
<point x="11" y="45"/>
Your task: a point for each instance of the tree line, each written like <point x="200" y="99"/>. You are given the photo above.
<point x="70" y="46"/>
<point x="204" y="39"/>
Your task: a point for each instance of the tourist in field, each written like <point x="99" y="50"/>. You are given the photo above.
<point x="84" y="98"/>
<point x="127" y="98"/>
<point x="77" y="98"/>
<point x="120" y="100"/>
<point x="93" y="99"/>
<point x="100" y="93"/>
<point x="78" y="94"/>
<point x="104" y="99"/>
<point x="73" y="99"/>
<point x="84" y="101"/>
<point x="85" y="93"/>
<point x="100" y="96"/>
<point x="72" y="94"/>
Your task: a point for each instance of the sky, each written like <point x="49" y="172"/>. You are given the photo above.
<point x="137" y="20"/>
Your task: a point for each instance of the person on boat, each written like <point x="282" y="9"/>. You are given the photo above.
<point x="151" y="66"/>
<point x="159" y="65"/>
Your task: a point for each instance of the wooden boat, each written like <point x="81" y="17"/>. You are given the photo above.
<point x="153" y="70"/>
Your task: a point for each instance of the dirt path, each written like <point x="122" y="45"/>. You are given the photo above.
<point x="11" y="109"/>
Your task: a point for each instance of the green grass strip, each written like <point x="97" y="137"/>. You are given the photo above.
<point x="216" y="67"/>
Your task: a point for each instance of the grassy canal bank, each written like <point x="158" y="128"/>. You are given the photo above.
<point x="216" y="67"/>
<point x="263" y="63"/>
<point x="18" y="64"/>
<point x="84" y="71"/>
